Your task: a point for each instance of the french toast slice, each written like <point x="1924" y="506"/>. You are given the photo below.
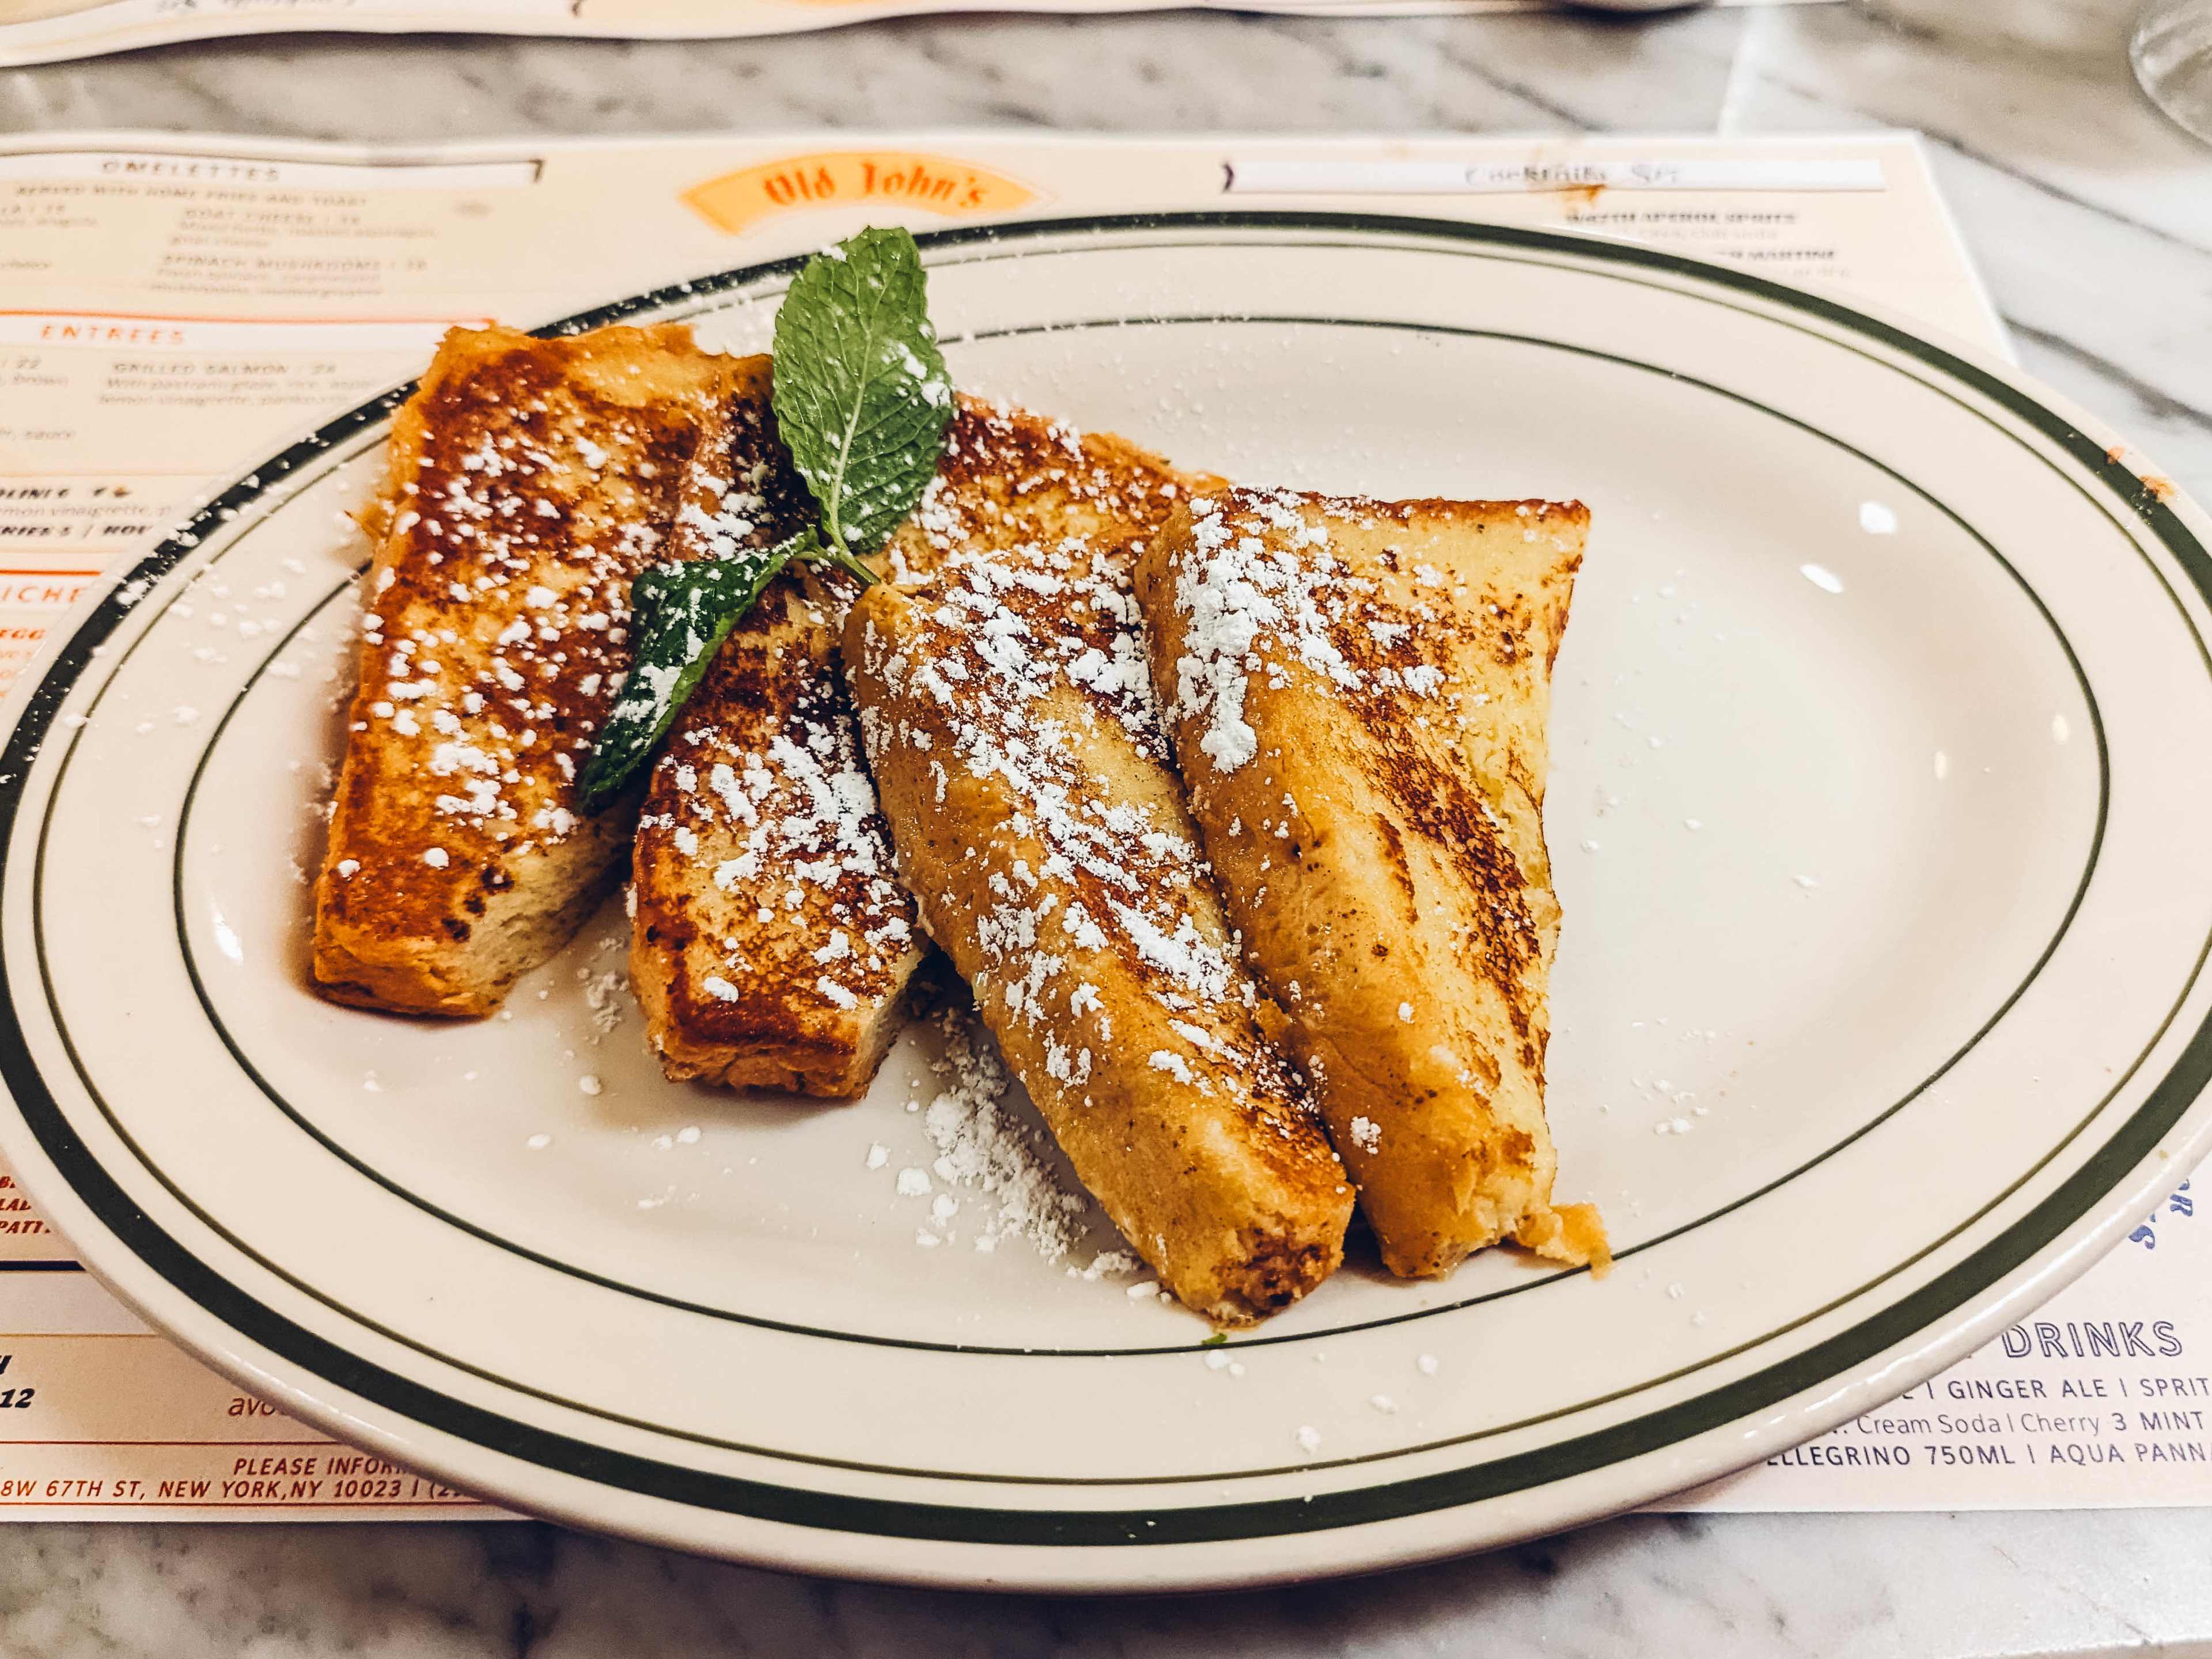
<point x="1358" y="693"/>
<point x="527" y="481"/>
<point x="1006" y="715"/>
<point x="771" y="945"/>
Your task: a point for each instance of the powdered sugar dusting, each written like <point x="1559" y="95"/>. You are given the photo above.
<point x="1025" y="670"/>
<point x="545" y="477"/>
<point x="992" y="655"/>
<point x="1262" y="595"/>
<point x="763" y="866"/>
<point x="761" y="854"/>
<point x="984" y="1147"/>
<point x="1234" y="591"/>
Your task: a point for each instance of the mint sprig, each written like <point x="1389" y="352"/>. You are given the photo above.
<point x="681" y="614"/>
<point x="861" y="395"/>
<point x="862" y="402"/>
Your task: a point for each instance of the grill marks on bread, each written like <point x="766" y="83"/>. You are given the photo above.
<point x="528" y="481"/>
<point x="1007" y="714"/>
<point x="771" y="944"/>
<point x="1358" y="693"/>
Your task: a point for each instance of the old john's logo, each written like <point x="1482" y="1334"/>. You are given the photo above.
<point x="936" y="183"/>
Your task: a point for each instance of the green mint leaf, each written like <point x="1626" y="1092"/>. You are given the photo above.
<point x="861" y="395"/>
<point x="862" y="402"/>
<point x="680" y="614"/>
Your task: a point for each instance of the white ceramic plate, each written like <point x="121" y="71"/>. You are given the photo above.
<point x="1883" y="753"/>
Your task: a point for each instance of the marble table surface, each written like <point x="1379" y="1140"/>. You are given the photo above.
<point x="2093" y="222"/>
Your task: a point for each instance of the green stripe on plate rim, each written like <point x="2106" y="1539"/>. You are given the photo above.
<point x="307" y="1126"/>
<point x="2136" y="1141"/>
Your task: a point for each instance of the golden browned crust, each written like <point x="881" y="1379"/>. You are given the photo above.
<point x="770" y="946"/>
<point x="1009" y="479"/>
<point x="1036" y="816"/>
<point x="527" y="481"/>
<point x="1358" y="693"/>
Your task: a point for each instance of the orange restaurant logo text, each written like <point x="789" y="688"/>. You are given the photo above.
<point x="938" y="183"/>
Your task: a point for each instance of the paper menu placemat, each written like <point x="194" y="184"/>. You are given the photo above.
<point x="51" y="31"/>
<point x="2098" y="1400"/>
<point x="175" y="309"/>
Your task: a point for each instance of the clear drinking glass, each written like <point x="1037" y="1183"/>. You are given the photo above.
<point x="2172" y="52"/>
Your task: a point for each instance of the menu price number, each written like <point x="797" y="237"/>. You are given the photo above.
<point x="28" y="368"/>
<point x="15" y="1396"/>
